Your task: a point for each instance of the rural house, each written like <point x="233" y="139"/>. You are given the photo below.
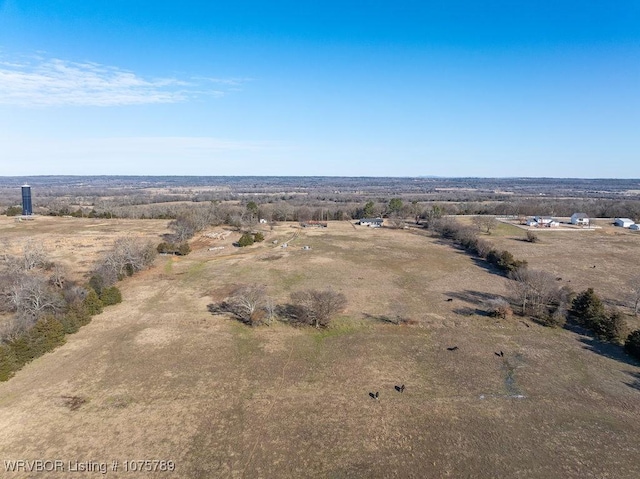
<point x="545" y="221"/>
<point x="581" y="219"/>
<point x="372" y="222"/>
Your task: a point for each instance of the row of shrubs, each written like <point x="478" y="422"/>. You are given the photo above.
<point x="50" y="330"/>
<point x="467" y="238"/>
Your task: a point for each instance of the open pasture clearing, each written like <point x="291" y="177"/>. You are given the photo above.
<point x="604" y="258"/>
<point x="164" y="379"/>
<point x="76" y="243"/>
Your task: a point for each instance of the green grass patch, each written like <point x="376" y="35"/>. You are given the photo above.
<point x="196" y="271"/>
<point x="285" y="281"/>
<point x="505" y="229"/>
<point x="168" y="266"/>
<point x="341" y="326"/>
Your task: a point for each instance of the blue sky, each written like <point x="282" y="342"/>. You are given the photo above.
<point x="370" y="88"/>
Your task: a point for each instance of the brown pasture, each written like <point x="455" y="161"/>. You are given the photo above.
<point x="159" y="377"/>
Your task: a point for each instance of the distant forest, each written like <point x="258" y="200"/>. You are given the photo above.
<point x="302" y="198"/>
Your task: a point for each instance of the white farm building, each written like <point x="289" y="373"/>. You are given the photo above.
<point x="623" y="222"/>
<point x="581" y="219"/>
<point x="371" y="222"/>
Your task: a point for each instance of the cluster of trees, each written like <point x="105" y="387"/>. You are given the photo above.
<point x="180" y="249"/>
<point x="539" y="295"/>
<point x="128" y="256"/>
<point x="13" y="211"/>
<point x="251" y="305"/>
<point x="42" y="304"/>
<point x="247" y="239"/>
<point x="589" y="311"/>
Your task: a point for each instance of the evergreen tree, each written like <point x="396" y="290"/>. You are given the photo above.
<point x="612" y="328"/>
<point x="7" y="362"/>
<point x="110" y="296"/>
<point x="632" y="344"/>
<point x="92" y="303"/>
<point x="246" y="240"/>
<point x="184" y="249"/>
<point x="46" y="335"/>
<point x="588" y="310"/>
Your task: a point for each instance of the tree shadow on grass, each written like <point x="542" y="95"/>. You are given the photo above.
<point x="396" y="320"/>
<point x="635" y="380"/>
<point x="477" y="298"/>
<point x="474" y="297"/>
<point x="608" y="350"/>
<point x="380" y="318"/>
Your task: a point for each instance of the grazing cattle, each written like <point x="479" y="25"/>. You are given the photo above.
<point x="501" y="354"/>
<point x="497" y="354"/>
<point x="454" y="348"/>
<point x="525" y="324"/>
<point x="449" y="300"/>
<point x="374" y="395"/>
<point x="400" y="389"/>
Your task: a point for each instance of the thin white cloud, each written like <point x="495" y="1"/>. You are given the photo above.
<point x="55" y="82"/>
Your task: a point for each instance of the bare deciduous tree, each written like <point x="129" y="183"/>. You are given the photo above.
<point x="499" y="308"/>
<point x="319" y="307"/>
<point x="534" y="290"/>
<point x="486" y="223"/>
<point x="128" y="256"/>
<point x="33" y="256"/>
<point x="248" y="302"/>
<point x="32" y="296"/>
<point x="58" y="276"/>
<point x="396" y="221"/>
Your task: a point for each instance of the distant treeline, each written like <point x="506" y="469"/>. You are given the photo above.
<point x="305" y="209"/>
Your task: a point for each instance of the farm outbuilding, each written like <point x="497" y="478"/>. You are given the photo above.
<point x="623" y="222"/>
<point x="634" y="227"/>
<point x="581" y="219"/>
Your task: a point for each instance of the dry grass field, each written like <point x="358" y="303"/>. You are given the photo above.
<point x="164" y="379"/>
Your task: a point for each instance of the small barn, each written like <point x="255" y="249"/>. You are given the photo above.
<point x="623" y="222"/>
<point x="581" y="219"/>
